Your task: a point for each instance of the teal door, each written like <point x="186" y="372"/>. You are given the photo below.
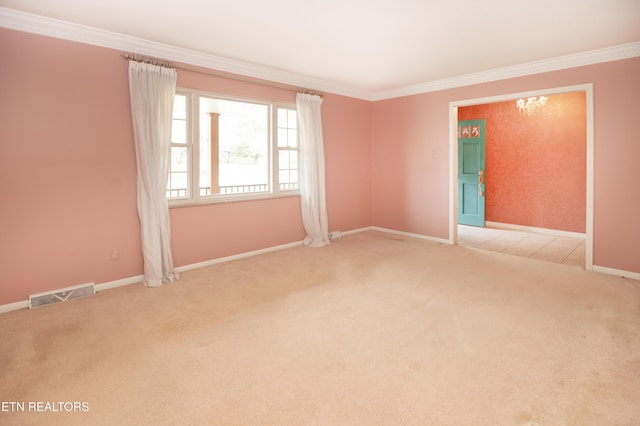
<point x="471" y="172"/>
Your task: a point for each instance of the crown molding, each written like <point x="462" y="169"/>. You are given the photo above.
<point x="27" y="22"/>
<point x="625" y="51"/>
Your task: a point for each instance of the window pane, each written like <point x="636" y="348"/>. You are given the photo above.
<point x="288" y="169"/>
<point x="292" y="140"/>
<point x="178" y="185"/>
<point x="179" y="180"/>
<point x="282" y="137"/>
<point x="234" y="146"/>
<point x="179" y="131"/>
<point x="179" y="159"/>
<point x="283" y="160"/>
<point x="282" y="117"/>
<point x="179" y="123"/>
<point x="287" y="127"/>
<point x="292" y="121"/>
<point x="180" y="107"/>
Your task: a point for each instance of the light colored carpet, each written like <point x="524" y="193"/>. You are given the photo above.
<point x="375" y="329"/>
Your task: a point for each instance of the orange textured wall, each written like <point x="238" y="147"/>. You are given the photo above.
<point x="410" y="161"/>
<point x="536" y="164"/>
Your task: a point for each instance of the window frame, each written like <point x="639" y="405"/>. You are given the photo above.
<point x="193" y="148"/>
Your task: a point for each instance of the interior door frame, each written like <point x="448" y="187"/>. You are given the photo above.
<point x="453" y="156"/>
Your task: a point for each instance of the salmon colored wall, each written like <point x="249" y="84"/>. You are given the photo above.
<point x="347" y="149"/>
<point x="67" y="163"/>
<point x="536" y="164"/>
<point x="411" y="187"/>
<point x="201" y="233"/>
<point x="410" y="166"/>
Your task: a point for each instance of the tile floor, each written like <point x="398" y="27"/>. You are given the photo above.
<point x="565" y="250"/>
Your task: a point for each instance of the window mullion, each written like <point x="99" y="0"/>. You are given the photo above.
<point x="195" y="147"/>
<point x="275" y="151"/>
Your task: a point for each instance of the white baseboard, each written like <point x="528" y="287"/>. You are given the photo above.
<point x="546" y="231"/>
<point x="358" y="230"/>
<point x="137" y="279"/>
<point x="236" y="256"/>
<point x="118" y="283"/>
<point x="23" y="304"/>
<point x="616" y="272"/>
<point x="412" y="235"/>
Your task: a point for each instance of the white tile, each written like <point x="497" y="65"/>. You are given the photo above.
<point x="539" y="246"/>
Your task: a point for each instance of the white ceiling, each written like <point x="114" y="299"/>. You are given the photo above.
<point x="368" y="45"/>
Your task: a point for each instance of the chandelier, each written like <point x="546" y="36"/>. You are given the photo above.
<point x="531" y="105"/>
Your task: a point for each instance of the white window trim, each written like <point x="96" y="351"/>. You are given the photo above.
<point x="193" y="139"/>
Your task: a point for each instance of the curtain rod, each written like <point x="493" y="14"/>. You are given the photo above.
<point x="311" y="92"/>
<point x="149" y="60"/>
<point x="203" y="70"/>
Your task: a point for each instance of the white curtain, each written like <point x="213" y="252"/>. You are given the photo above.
<point x="152" y="89"/>
<point x="312" y="186"/>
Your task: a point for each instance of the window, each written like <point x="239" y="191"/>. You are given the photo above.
<point x="178" y="183"/>
<point x="287" y="149"/>
<point x="230" y="148"/>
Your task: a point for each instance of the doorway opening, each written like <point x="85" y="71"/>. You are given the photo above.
<point x="587" y="89"/>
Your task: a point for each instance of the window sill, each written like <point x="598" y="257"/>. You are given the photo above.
<point x="227" y="199"/>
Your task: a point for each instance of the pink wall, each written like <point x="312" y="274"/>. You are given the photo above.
<point x="67" y="164"/>
<point x="202" y="233"/>
<point x="410" y="163"/>
<point x="411" y="188"/>
<point x="536" y="164"/>
<point x="68" y="167"/>
<point x="347" y="148"/>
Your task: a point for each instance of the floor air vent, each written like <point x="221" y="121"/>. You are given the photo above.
<point x="61" y="295"/>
